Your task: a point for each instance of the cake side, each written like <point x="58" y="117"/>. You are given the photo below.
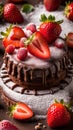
<point x="40" y="75"/>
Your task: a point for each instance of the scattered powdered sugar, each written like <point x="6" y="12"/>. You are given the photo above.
<point x="56" y="52"/>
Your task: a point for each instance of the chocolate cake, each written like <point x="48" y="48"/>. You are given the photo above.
<point x="35" y="73"/>
<point x="19" y="79"/>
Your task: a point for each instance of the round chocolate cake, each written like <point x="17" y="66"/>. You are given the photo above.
<point x="36" y="74"/>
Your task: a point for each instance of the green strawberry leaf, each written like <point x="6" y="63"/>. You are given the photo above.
<point x="6" y="33"/>
<point x="27" y="8"/>
<point x="50" y="18"/>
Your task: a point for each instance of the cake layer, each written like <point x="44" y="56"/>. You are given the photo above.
<point x="35" y="73"/>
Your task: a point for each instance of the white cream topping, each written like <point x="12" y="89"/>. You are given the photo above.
<point x="31" y="60"/>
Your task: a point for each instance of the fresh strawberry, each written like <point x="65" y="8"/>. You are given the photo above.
<point x="50" y="29"/>
<point x="16" y="33"/>
<point x="7" y="125"/>
<point x="38" y="46"/>
<point x="59" y="43"/>
<point x="21" y="111"/>
<point x="22" y="53"/>
<point x="10" y="49"/>
<point x="12" y="14"/>
<point x="58" y="115"/>
<point x="69" y="39"/>
<point x="68" y="11"/>
<point x="7" y="42"/>
<point x="51" y="5"/>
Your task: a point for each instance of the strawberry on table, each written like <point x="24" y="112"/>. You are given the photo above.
<point x="58" y="114"/>
<point x="12" y="14"/>
<point x="21" y="111"/>
<point x="38" y="46"/>
<point x="51" y="5"/>
<point x="68" y="11"/>
<point x="7" y="125"/>
<point x="50" y="28"/>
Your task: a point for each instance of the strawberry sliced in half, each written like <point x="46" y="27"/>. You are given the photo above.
<point x="38" y="46"/>
<point x="21" y="111"/>
<point x="7" y="42"/>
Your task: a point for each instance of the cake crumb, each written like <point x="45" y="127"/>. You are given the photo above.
<point x="44" y="126"/>
<point x="37" y="127"/>
<point x="40" y="124"/>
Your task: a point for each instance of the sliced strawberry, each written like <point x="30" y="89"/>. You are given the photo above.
<point x="69" y="39"/>
<point x="38" y="46"/>
<point x="16" y="33"/>
<point x="7" y="42"/>
<point x="21" y="111"/>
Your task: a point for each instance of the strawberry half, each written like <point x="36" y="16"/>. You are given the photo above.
<point x="38" y="46"/>
<point x="50" y="29"/>
<point x="16" y="33"/>
<point x="12" y="36"/>
<point x="7" y="42"/>
<point x="68" y="11"/>
<point x="12" y="14"/>
<point x="58" y="115"/>
<point x="21" y="111"/>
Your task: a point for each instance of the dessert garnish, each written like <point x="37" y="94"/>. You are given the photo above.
<point x="20" y="111"/>
<point x="58" y="114"/>
<point x="38" y="46"/>
<point x="12" y="35"/>
<point x="50" y="28"/>
<point x="59" y="43"/>
<point x="69" y="39"/>
<point x="22" y="53"/>
<point x="10" y="49"/>
<point x="68" y="11"/>
<point x="7" y="125"/>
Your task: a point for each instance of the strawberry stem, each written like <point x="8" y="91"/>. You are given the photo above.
<point x="50" y="18"/>
<point x="5" y="34"/>
<point x="67" y="105"/>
